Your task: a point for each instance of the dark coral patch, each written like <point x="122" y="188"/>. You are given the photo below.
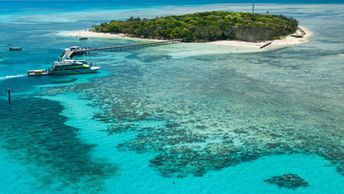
<point x="289" y="181"/>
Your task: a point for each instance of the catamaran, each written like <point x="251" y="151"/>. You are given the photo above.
<point x="69" y="66"/>
<point x="66" y="67"/>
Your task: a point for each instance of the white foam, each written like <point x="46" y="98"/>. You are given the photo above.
<point x="12" y="76"/>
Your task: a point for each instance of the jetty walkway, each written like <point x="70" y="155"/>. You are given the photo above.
<point x="71" y="52"/>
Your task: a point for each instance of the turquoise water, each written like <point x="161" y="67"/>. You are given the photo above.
<point x="170" y="120"/>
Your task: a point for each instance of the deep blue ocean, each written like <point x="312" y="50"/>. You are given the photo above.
<point x="65" y="5"/>
<point x="185" y="118"/>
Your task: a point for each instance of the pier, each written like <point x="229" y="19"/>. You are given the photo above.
<point x="70" y="53"/>
<point x="60" y="67"/>
<point x="265" y="45"/>
<point x="300" y="33"/>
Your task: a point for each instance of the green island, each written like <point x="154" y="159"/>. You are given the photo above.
<point x="205" y="27"/>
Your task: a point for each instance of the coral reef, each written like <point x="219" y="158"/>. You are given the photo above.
<point x="210" y="116"/>
<point x="289" y="181"/>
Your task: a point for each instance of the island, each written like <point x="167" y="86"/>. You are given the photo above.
<point x="214" y="32"/>
<point x="205" y="27"/>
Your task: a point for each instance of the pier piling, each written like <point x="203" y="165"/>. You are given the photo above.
<point x="9" y="96"/>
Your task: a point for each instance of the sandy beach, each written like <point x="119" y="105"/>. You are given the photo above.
<point x="275" y="44"/>
<point x="90" y="34"/>
<point x="234" y="45"/>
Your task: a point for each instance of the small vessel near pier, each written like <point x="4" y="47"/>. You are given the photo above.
<point x="15" y="48"/>
<point x="38" y="72"/>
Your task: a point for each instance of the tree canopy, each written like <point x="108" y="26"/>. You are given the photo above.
<point x="205" y="26"/>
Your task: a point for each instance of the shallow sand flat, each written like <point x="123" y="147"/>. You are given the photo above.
<point x="223" y="46"/>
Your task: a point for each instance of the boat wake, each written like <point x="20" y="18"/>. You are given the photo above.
<point x="12" y="76"/>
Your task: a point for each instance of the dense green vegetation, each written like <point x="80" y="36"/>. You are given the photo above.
<point x="206" y="26"/>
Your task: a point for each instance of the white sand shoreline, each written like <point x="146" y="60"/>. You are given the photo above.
<point x="236" y="46"/>
<point x="287" y="41"/>
<point x="90" y="34"/>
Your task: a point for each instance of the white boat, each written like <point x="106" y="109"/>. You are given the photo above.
<point x="38" y="72"/>
<point x="66" y="67"/>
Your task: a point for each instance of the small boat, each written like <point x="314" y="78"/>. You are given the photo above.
<point x="73" y="48"/>
<point x="83" y="38"/>
<point x="15" y="48"/>
<point x="38" y="72"/>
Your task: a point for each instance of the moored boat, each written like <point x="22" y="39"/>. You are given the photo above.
<point x="15" y="49"/>
<point x="38" y="72"/>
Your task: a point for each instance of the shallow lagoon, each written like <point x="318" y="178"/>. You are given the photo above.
<point x="137" y="123"/>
